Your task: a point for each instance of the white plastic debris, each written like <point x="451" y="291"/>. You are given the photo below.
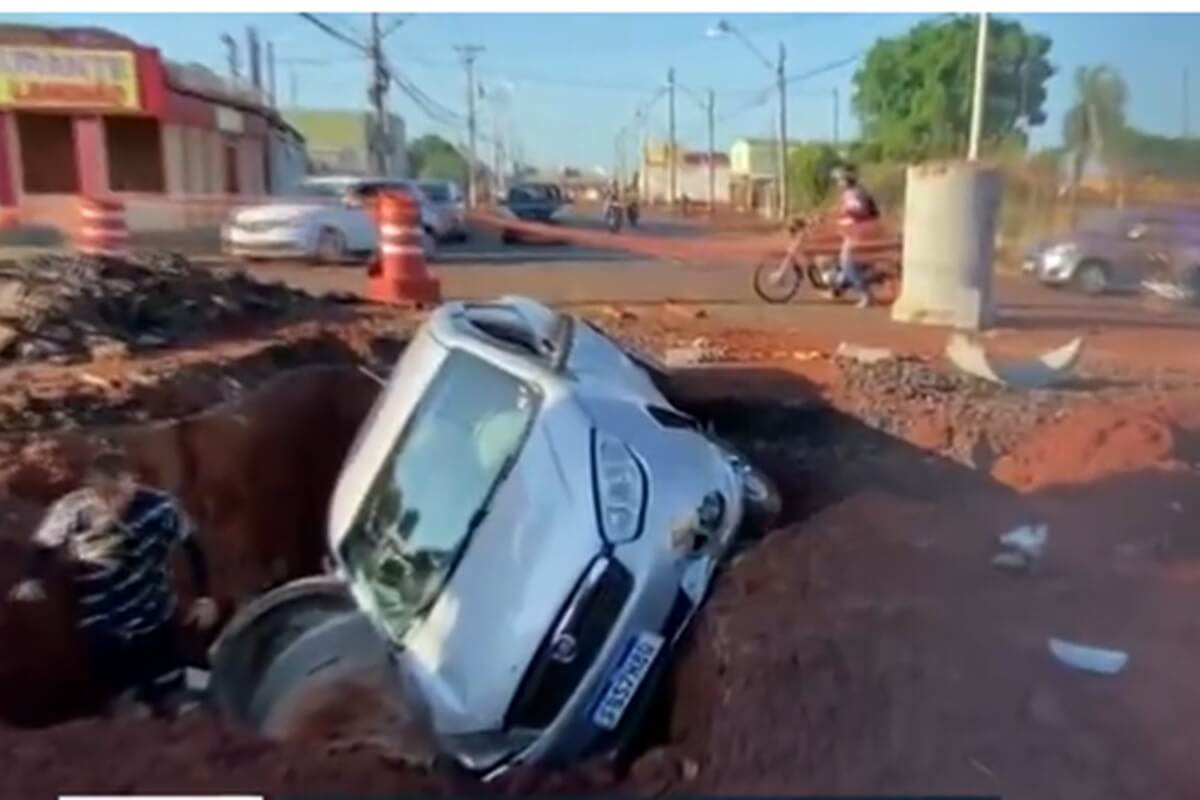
<point x="1022" y="547"/>
<point x="1029" y="540"/>
<point x="1098" y="660"/>
<point x="196" y="680"/>
<point x="864" y="355"/>
<point x="700" y="351"/>
<point x="1047" y="369"/>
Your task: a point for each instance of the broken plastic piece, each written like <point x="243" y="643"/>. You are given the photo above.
<point x="1047" y="369"/>
<point x="1089" y="659"/>
<point x="1028" y="540"/>
<point x="864" y="355"/>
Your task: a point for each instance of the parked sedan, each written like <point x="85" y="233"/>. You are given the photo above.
<point x="1119" y="250"/>
<point x="449" y="208"/>
<point x="326" y="221"/>
<point x="529" y="526"/>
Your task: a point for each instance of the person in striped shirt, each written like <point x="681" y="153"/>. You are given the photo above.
<point x="118" y="537"/>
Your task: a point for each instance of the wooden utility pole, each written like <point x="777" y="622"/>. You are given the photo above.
<point x="672" y="149"/>
<point x="468" y="53"/>
<point x="712" y="151"/>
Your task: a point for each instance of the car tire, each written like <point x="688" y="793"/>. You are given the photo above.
<point x="330" y="247"/>
<point x="1091" y="277"/>
<point x="763" y="502"/>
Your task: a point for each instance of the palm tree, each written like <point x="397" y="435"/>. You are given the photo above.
<point x="1095" y="125"/>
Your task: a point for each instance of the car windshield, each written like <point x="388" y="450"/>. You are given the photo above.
<point x="437" y="192"/>
<point x="434" y="487"/>
<point x="322" y="189"/>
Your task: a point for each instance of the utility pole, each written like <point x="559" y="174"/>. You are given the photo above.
<point x="293" y="88"/>
<point x="468" y="53"/>
<point x="1187" y="106"/>
<point x="837" y="110"/>
<point x="377" y="94"/>
<point x="672" y="175"/>
<point x="253" y="58"/>
<point x="271" y="74"/>
<point x="783" y="181"/>
<point x="979" y="93"/>
<point x="711" y="110"/>
<point x="231" y="55"/>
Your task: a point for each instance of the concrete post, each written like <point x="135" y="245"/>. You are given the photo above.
<point x="950" y="216"/>
<point x="91" y="156"/>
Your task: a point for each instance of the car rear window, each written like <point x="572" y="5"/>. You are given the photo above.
<point x="437" y="192"/>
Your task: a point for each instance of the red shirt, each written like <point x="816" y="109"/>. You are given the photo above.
<point x="857" y="207"/>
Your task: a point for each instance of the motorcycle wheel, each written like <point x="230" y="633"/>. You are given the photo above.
<point x="884" y="284"/>
<point x="774" y="287"/>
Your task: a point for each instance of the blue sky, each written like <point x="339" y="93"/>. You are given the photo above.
<point x="574" y="80"/>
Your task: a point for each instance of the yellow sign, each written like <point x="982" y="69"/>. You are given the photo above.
<point x="64" y="77"/>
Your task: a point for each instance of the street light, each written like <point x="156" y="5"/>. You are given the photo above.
<point x="724" y="27"/>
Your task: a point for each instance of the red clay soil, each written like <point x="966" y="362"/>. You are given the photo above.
<point x="256" y="477"/>
<point x="1092" y="443"/>
<point x="867" y="647"/>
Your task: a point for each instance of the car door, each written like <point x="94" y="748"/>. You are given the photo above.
<point x="359" y="220"/>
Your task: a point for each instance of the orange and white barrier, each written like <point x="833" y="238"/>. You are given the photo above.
<point x="400" y="275"/>
<point x="102" y="228"/>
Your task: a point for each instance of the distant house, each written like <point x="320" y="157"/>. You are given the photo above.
<point x="340" y="141"/>
<point x="754" y="168"/>
<point x="691" y="175"/>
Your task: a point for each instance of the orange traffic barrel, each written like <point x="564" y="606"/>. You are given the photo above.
<point x="400" y="274"/>
<point x="102" y="228"/>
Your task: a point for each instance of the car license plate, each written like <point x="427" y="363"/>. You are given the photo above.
<point x="626" y="678"/>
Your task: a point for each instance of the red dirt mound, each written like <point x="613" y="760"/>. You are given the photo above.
<point x="1089" y="444"/>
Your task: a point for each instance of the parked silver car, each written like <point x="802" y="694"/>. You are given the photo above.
<point x="449" y="207"/>
<point x="530" y="526"/>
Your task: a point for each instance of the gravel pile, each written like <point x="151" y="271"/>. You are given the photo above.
<point x="964" y="417"/>
<point x="66" y="309"/>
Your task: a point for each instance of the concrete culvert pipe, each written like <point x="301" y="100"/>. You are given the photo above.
<point x="286" y="648"/>
<point x="301" y="662"/>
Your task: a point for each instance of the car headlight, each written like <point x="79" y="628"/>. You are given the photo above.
<point x="620" y="489"/>
<point x="1062" y="251"/>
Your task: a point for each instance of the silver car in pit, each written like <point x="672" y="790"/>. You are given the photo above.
<point x="529" y="526"/>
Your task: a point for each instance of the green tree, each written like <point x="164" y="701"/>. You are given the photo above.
<point x="1094" y="127"/>
<point x="912" y="93"/>
<point x="809" y="179"/>
<point x="433" y="158"/>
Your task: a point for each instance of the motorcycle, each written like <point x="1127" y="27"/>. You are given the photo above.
<point x="777" y="282"/>
<point x="614" y="217"/>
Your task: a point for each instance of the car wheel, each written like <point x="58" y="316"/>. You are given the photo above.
<point x="331" y="246"/>
<point x="1091" y="277"/>
<point x="761" y="496"/>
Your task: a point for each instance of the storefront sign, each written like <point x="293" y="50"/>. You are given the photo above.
<point x="61" y="77"/>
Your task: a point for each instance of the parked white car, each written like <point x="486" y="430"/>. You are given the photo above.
<point x="325" y="221"/>
<point x="528" y="527"/>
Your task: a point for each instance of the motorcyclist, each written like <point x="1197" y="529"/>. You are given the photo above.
<point x="857" y="209"/>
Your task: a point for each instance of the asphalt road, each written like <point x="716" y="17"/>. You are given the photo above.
<point x="569" y="274"/>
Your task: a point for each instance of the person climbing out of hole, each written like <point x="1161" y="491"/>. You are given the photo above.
<point x="118" y="537"/>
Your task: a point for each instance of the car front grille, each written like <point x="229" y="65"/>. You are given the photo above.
<point x="588" y="619"/>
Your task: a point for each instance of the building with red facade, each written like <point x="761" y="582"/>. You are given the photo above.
<point x="86" y="111"/>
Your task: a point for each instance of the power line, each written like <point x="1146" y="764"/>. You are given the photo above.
<point x="336" y="34"/>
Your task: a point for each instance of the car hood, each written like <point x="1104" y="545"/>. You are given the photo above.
<point x="469" y="654"/>
<point x="278" y="212"/>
